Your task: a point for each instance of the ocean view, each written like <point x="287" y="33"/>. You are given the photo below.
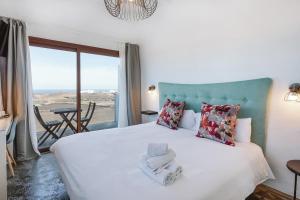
<point x="43" y="91"/>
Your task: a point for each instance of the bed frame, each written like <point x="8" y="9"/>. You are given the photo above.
<point x="252" y="95"/>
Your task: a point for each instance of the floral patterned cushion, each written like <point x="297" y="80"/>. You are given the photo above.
<point x="171" y="114"/>
<point x="218" y="122"/>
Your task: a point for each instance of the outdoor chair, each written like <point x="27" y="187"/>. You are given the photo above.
<point x="51" y="127"/>
<point x="88" y="116"/>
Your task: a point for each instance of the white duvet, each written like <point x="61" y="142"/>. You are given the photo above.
<point x="103" y="165"/>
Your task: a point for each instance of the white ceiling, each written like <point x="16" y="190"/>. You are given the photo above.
<point x="81" y="15"/>
<point x="196" y="18"/>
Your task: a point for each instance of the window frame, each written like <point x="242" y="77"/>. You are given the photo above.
<point x="77" y="48"/>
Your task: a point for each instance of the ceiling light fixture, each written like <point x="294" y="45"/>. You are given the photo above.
<point x="294" y="93"/>
<point x="132" y="10"/>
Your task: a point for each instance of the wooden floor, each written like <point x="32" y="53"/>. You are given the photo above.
<point x="263" y="192"/>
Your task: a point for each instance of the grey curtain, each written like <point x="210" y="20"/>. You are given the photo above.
<point x="4" y="29"/>
<point x="17" y="88"/>
<point x="133" y="83"/>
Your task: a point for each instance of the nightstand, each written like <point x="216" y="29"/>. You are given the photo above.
<point x="294" y="166"/>
<point x="149" y="115"/>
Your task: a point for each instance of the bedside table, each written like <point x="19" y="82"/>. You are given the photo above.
<point x="149" y="115"/>
<point x="294" y="166"/>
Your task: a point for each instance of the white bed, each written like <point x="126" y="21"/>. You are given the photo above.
<point x="103" y="165"/>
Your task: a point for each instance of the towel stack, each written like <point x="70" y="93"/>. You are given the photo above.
<point x="159" y="164"/>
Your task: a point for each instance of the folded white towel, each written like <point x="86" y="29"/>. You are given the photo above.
<point x="157" y="170"/>
<point x="159" y="161"/>
<point x="165" y="177"/>
<point x="157" y="149"/>
<point x="174" y="168"/>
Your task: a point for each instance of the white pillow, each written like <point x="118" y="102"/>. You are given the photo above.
<point x="243" y="130"/>
<point x="187" y="120"/>
<point x="197" y="122"/>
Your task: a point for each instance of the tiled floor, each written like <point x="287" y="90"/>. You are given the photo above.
<point x="40" y="180"/>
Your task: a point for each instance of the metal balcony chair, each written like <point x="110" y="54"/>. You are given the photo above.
<point x="87" y="118"/>
<point x="51" y="127"/>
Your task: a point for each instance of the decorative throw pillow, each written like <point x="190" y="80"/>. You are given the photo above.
<point x="171" y="114"/>
<point x="218" y="122"/>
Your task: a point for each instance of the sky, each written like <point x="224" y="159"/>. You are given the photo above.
<point x="56" y="69"/>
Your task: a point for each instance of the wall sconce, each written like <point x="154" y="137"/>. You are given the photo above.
<point x="151" y="88"/>
<point x="294" y="93"/>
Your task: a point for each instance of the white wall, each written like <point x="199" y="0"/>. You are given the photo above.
<point x="217" y="41"/>
<point x="196" y="41"/>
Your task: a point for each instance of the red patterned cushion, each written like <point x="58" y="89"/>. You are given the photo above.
<point x="218" y="122"/>
<point x="171" y="114"/>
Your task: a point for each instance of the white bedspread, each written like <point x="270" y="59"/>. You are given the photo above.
<point x="103" y="165"/>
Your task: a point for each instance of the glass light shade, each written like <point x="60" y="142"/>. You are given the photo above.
<point x="292" y="96"/>
<point x="132" y="10"/>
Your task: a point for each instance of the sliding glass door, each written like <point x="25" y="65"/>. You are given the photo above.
<point x="99" y="85"/>
<point x="75" y="89"/>
<point x="54" y="86"/>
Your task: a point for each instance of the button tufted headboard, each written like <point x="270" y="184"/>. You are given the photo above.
<point x="251" y="95"/>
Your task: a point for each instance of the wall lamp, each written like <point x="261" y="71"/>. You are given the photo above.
<point x="151" y="88"/>
<point x="294" y="93"/>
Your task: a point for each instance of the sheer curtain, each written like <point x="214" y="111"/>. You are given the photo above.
<point x="17" y="93"/>
<point x="122" y="104"/>
<point x="129" y="85"/>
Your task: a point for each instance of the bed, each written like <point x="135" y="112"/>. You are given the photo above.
<point x="104" y="164"/>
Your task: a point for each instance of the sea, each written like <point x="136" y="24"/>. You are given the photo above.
<point x="89" y="91"/>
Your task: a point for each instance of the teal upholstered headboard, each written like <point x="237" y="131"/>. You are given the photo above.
<point x="251" y="95"/>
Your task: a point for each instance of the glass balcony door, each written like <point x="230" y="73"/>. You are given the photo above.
<point x="99" y="86"/>
<point x="71" y="85"/>
<point x="54" y="87"/>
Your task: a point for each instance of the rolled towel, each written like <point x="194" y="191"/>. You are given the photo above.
<point x="157" y="149"/>
<point x="159" y="161"/>
<point x="165" y="177"/>
<point x="174" y="168"/>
